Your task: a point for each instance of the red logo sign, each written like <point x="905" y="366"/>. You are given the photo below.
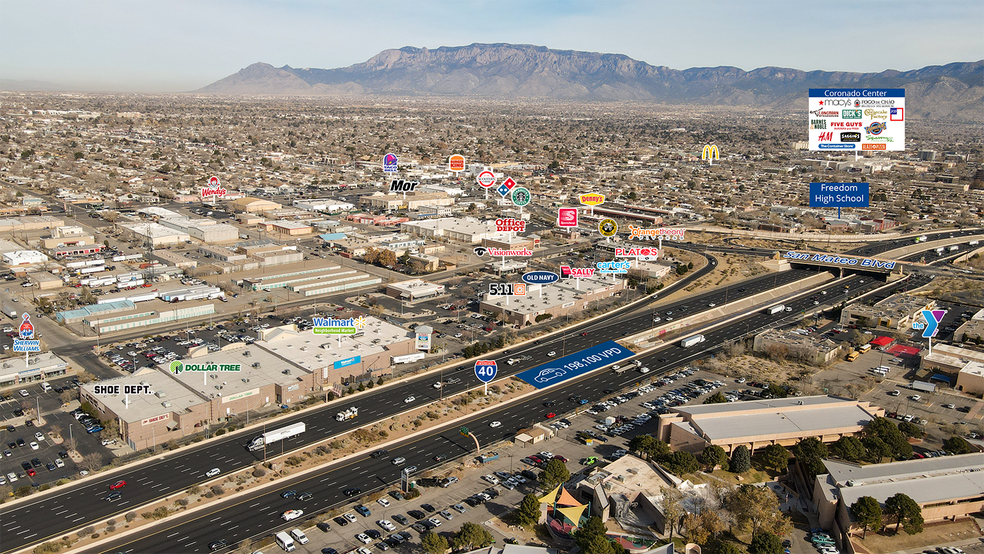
<point x="509" y="183"/>
<point x="567" y="217"/>
<point x="567" y="271"/>
<point x="486" y="179"/>
<point x="507" y="225"/>
<point x="829" y="135"/>
<point x="26" y="328"/>
<point x="213" y="189"/>
<point x="456" y="163"/>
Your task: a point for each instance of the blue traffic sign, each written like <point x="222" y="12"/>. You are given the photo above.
<point x="574" y="365"/>
<point x="485" y="370"/>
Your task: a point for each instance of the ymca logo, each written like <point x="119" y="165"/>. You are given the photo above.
<point x="930" y="323"/>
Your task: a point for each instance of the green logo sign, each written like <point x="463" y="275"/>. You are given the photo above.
<point x="851" y="114"/>
<point x="177" y="367"/>
<point x="521" y="196"/>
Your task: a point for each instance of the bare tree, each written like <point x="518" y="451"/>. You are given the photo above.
<point x="91" y="462"/>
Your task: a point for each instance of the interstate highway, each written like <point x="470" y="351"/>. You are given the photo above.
<point x="258" y="514"/>
<point x="21" y="525"/>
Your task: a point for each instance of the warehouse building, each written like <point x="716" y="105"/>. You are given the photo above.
<point x="557" y="300"/>
<point x="759" y="423"/>
<point x="894" y="313"/>
<point x="414" y="289"/>
<point x="154" y="234"/>
<point x="467" y="230"/>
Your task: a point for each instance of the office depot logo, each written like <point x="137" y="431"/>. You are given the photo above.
<point x="592" y="199"/>
<point x="510" y="225"/>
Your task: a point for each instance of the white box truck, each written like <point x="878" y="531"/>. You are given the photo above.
<point x="690" y="341"/>
<point x="775" y="309"/>
<point x="285" y="542"/>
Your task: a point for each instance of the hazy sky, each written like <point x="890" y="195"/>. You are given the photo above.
<point x="177" y="45"/>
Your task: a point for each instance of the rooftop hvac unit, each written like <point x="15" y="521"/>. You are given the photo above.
<point x="214" y="376"/>
<point x="166" y="404"/>
<point x="144" y="383"/>
<point x="160" y="394"/>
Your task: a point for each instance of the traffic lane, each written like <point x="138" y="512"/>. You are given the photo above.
<point x="521" y="415"/>
<point x="300" y="440"/>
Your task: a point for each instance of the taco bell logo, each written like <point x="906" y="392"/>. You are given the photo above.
<point x="390" y="162"/>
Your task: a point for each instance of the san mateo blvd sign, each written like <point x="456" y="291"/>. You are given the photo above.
<point x="332" y="326"/>
<point x="839" y="260"/>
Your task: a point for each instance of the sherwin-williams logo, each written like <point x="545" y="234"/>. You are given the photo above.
<point x="332" y="326"/>
<point x="180" y="367"/>
<point x="931" y="322"/>
<point x="876" y="128"/>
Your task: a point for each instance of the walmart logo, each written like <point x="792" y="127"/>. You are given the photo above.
<point x="931" y="322"/>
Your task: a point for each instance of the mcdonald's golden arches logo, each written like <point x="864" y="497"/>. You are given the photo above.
<point x="710" y="153"/>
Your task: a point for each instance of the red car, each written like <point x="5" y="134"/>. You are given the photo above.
<point x="551" y="415"/>
<point x="31" y="472"/>
<point x="561" y="458"/>
<point x="117" y="485"/>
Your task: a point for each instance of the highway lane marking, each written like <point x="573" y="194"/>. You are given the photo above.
<point x="231" y="528"/>
<point x="255" y="505"/>
<point x="183" y="538"/>
<point x="214" y="520"/>
<point x="60" y="513"/>
<point x="78" y="519"/>
<point x="12" y="528"/>
<point x="174" y="533"/>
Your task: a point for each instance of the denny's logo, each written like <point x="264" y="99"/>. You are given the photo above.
<point x="180" y="367"/>
<point x="592" y="199"/>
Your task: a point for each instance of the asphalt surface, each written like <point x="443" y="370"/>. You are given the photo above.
<point x="259" y="514"/>
<point x="148" y="482"/>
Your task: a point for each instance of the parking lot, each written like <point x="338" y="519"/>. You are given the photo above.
<point x="18" y="422"/>
<point x="496" y="487"/>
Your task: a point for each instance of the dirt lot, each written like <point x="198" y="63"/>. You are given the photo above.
<point x="933" y="534"/>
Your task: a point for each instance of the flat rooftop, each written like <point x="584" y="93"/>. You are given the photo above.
<point x="807" y="415"/>
<point x="927" y="480"/>
<point x="314" y="352"/>
<point x="557" y="294"/>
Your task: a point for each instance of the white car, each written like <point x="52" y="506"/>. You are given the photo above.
<point x="39" y="435"/>
<point x="383" y="502"/>
<point x="292" y="514"/>
<point x="11" y="477"/>
<point x="495" y="424"/>
<point x="552" y="353"/>
<point x="350" y="517"/>
<point x="212" y="472"/>
<point x="435" y="522"/>
<point x="915" y="397"/>
<point x="437" y="385"/>
<point x="363" y="538"/>
<point x="491" y="479"/>
<point x="34" y="445"/>
<point x="23" y="392"/>
<point x="386" y="524"/>
<point x="409" y="399"/>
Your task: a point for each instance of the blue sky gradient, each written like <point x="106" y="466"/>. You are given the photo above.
<point x="180" y="45"/>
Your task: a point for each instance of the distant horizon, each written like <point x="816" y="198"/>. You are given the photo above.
<point x="177" y="46"/>
<point x="65" y="88"/>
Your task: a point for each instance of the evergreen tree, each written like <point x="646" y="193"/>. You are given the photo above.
<point x="765" y="543"/>
<point x="528" y="511"/>
<point x="741" y="460"/>
<point x="713" y="456"/>
<point x="867" y="513"/>
<point x="472" y="536"/>
<point x="775" y="456"/>
<point x="906" y="512"/>
<point x="434" y="543"/>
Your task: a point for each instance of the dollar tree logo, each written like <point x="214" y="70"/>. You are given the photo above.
<point x="177" y="367"/>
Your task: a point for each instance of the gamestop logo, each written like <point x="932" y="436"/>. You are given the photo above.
<point x="510" y="225"/>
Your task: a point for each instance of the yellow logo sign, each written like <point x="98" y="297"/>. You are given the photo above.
<point x="710" y="152"/>
<point x="592" y="199"/>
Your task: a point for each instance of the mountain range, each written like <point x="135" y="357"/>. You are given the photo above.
<point x="527" y="71"/>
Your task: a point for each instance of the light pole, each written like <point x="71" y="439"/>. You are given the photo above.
<point x="38" y="401"/>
